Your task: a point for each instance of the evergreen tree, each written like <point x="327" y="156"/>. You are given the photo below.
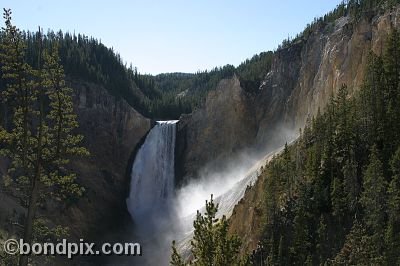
<point x="392" y="92"/>
<point x="373" y="103"/>
<point x="338" y="199"/>
<point x="393" y="228"/>
<point x="355" y="250"/>
<point x="343" y="132"/>
<point x="20" y="90"/>
<point x="322" y="246"/>
<point x="373" y="199"/>
<point x="211" y="244"/>
<point x="176" y="259"/>
<point x="350" y="184"/>
<point x="40" y="140"/>
<point x="300" y="249"/>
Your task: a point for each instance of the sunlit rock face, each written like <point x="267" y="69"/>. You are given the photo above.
<point x="213" y="133"/>
<point x="303" y="77"/>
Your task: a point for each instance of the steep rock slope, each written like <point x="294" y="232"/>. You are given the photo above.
<point x="224" y="126"/>
<point x="249" y="211"/>
<point x="112" y="128"/>
<point x="333" y="55"/>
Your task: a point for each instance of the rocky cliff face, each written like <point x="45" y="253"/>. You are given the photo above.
<point x="334" y="55"/>
<point x="302" y="79"/>
<point x="111" y="130"/>
<point x="249" y="211"/>
<point x="224" y="126"/>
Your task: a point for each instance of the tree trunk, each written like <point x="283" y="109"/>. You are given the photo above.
<point x="28" y="232"/>
<point x="33" y="199"/>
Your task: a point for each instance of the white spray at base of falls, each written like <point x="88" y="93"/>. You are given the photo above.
<point x="228" y="189"/>
<point x="161" y="214"/>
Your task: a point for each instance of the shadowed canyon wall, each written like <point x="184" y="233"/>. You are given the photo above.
<point x="111" y="129"/>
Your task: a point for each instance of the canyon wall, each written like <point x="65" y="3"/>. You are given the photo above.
<point x="111" y="130"/>
<point x="224" y="126"/>
<point x="302" y="79"/>
<point x="335" y="54"/>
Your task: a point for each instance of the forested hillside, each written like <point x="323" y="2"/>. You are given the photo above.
<point x="165" y="96"/>
<point x="333" y="196"/>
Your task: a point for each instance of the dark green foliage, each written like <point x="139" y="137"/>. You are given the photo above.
<point x="176" y="259"/>
<point x="392" y="237"/>
<point x="181" y="93"/>
<point x="355" y="250"/>
<point x="165" y="96"/>
<point x="253" y="71"/>
<point x="211" y="244"/>
<point x="40" y="139"/>
<point x="373" y="198"/>
<point x="341" y="205"/>
<point x="177" y="93"/>
<point x="355" y="9"/>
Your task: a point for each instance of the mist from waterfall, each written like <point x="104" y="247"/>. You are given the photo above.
<point x="228" y="187"/>
<point x="160" y="213"/>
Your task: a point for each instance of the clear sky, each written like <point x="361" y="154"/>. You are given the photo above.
<point x="175" y="35"/>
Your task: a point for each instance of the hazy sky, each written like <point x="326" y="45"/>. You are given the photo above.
<point x="175" y="35"/>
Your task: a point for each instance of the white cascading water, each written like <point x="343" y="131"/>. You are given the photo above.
<point x="152" y="177"/>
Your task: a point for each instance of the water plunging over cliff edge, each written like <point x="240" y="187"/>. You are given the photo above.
<point x="152" y="177"/>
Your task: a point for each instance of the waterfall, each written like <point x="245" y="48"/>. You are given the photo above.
<point x="152" y="177"/>
<point x="160" y="214"/>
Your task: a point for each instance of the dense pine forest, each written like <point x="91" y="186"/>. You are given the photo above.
<point x="334" y="196"/>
